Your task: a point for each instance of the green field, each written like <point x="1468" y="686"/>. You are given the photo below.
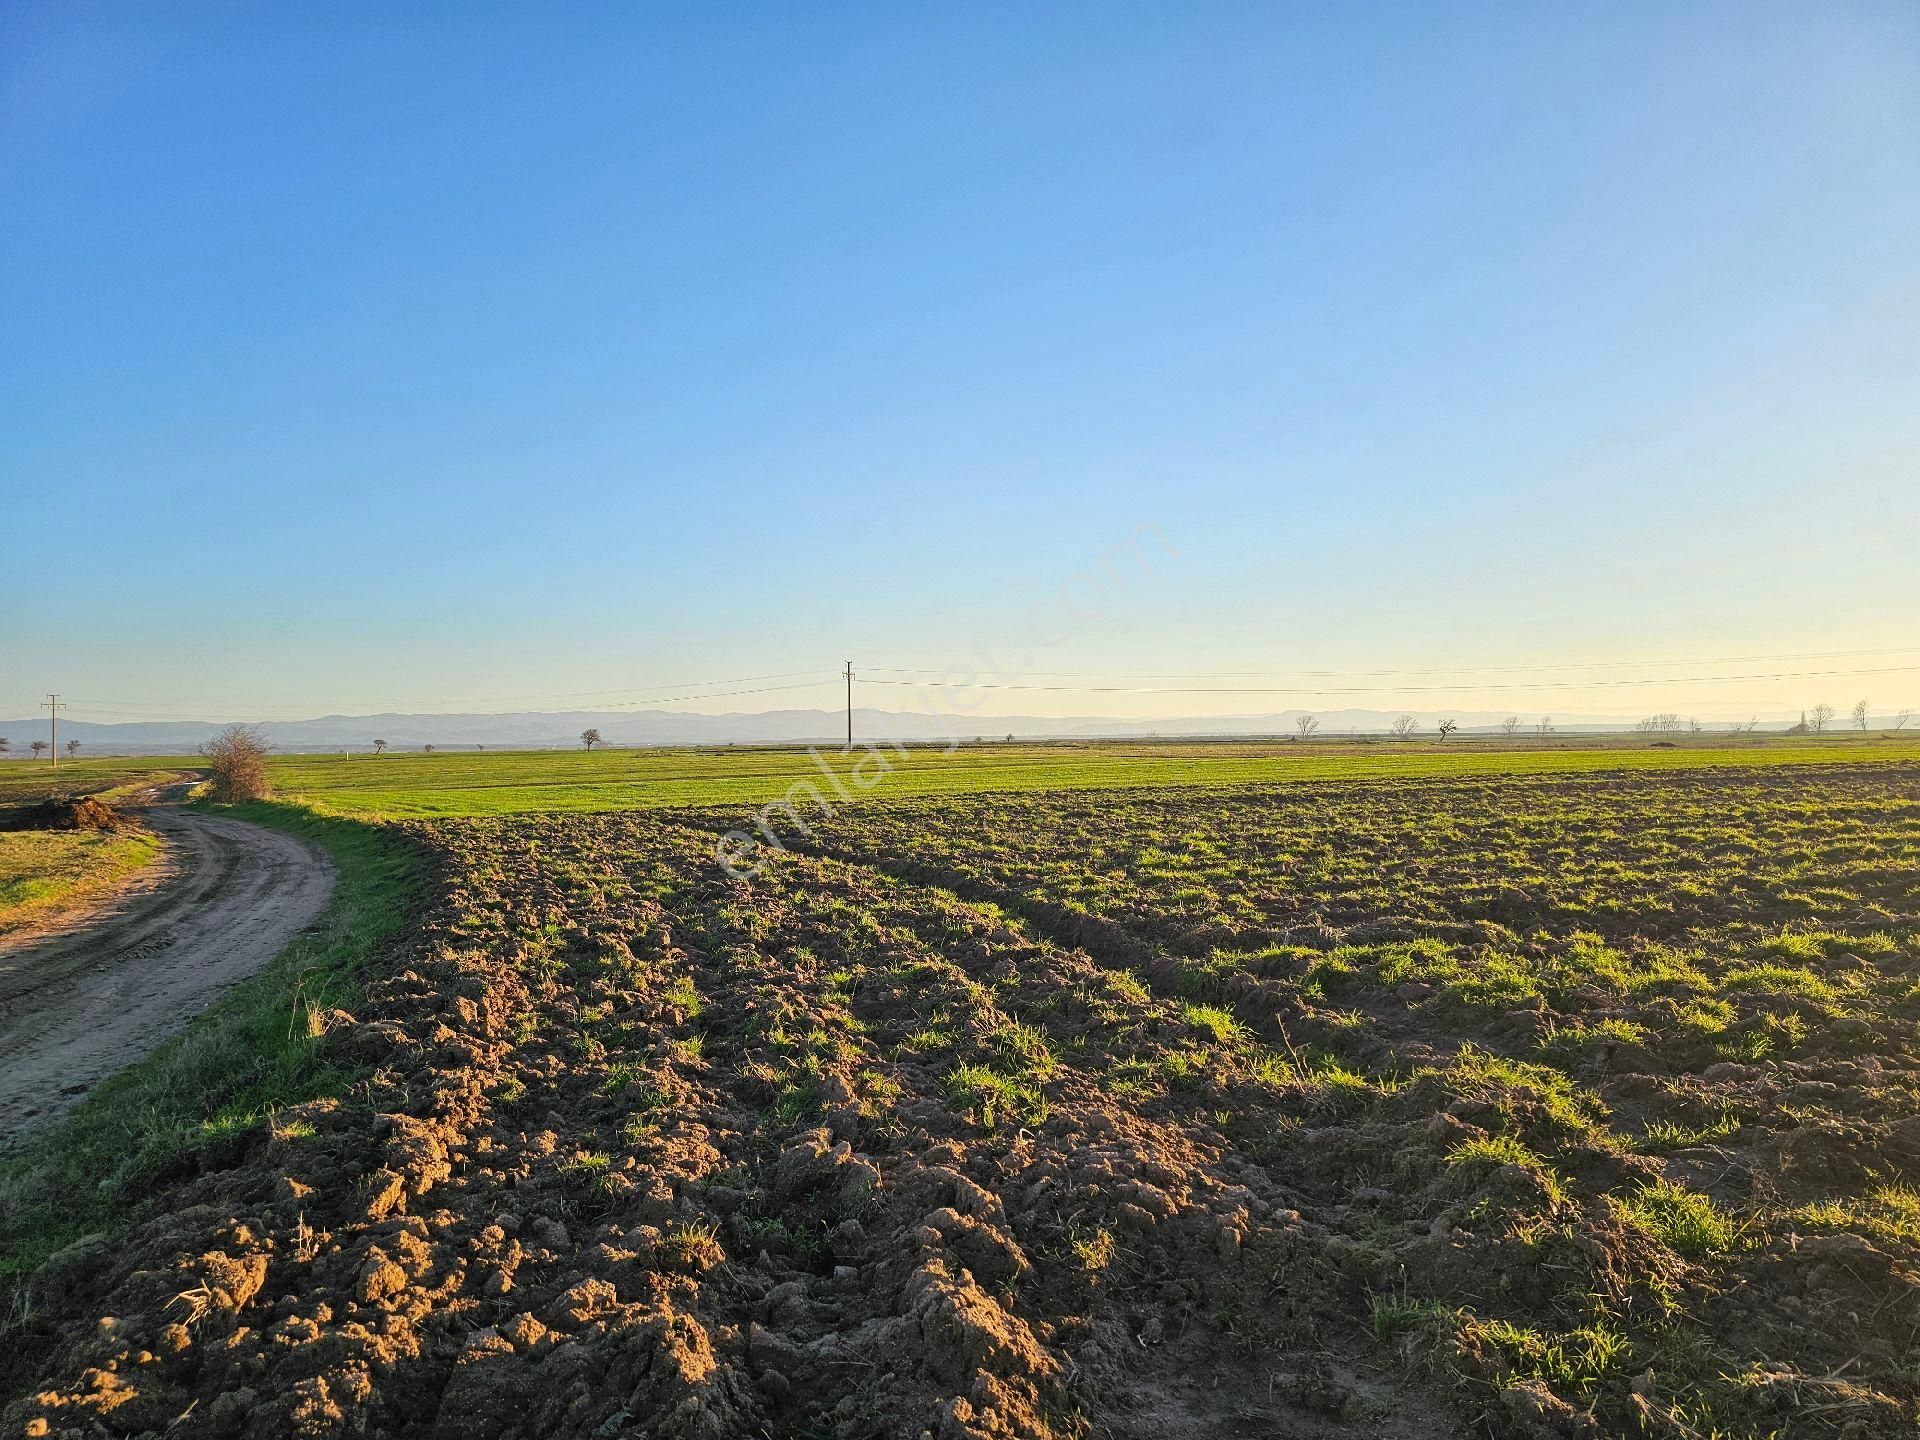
<point x="529" y="781"/>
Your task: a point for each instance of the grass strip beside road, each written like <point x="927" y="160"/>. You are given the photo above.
<point x="46" y="872"/>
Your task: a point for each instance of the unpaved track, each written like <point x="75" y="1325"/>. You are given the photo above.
<point x="97" y="994"/>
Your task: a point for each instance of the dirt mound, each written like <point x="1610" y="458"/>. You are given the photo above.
<point x="81" y="812"/>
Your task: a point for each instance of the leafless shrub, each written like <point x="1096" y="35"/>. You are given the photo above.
<point x="237" y="757"/>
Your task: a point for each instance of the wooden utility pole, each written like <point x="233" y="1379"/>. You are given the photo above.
<point x="52" y="706"/>
<point x="849" y="704"/>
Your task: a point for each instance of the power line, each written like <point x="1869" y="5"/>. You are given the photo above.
<point x="98" y="702"/>
<point x="133" y="711"/>
<point x="726" y="694"/>
<point x="1441" y="670"/>
<point x="1390" y="689"/>
<point x="130" y="715"/>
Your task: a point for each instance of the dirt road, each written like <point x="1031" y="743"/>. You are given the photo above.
<point x="99" y="992"/>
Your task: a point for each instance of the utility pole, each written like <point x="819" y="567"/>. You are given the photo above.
<point x="849" y="704"/>
<point x="52" y="706"/>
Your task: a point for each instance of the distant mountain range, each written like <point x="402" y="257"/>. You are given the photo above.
<point x="536" y="729"/>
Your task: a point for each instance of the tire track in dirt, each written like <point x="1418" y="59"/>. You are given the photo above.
<point x="79" y="1004"/>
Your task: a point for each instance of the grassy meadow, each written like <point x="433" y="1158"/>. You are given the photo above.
<point x="554" y="781"/>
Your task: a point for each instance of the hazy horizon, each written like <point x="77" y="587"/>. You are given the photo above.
<point x="648" y="727"/>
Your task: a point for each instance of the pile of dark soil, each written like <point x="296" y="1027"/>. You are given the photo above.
<point x="65" y="812"/>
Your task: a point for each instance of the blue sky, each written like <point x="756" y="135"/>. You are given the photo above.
<point x="365" y="357"/>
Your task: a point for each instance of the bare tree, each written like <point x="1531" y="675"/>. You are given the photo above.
<point x="1545" y="727"/>
<point x="73" y="748"/>
<point x="5" y="746"/>
<point x="1403" y="727"/>
<point x="1899" y="723"/>
<point x="1447" y="727"/>
<point x="1744" y="727"/>
<point x="1694" y="727"/>
<point x="591" y="738"/>
<point x="237" y="756"/>
<point x="1666" y="723"/>
<point x="39" y="748"/>
<point x="1860" y="715"/>
<point x="1820" y="717"/>
<point x="1306" y="725"/>
<point x="379" y="747"/>
<point x="429" y="749"/>
<point x="1509" y="725"/>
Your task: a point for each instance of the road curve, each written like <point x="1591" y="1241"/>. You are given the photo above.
<point x="79" y="1004"/>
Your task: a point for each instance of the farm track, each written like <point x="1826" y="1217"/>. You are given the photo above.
<point x="103" y="988"/>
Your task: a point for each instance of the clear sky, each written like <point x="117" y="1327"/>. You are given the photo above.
<point x="365" y="357"/>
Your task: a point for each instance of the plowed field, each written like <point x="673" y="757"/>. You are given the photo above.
<point x="1524" y="1107"/>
